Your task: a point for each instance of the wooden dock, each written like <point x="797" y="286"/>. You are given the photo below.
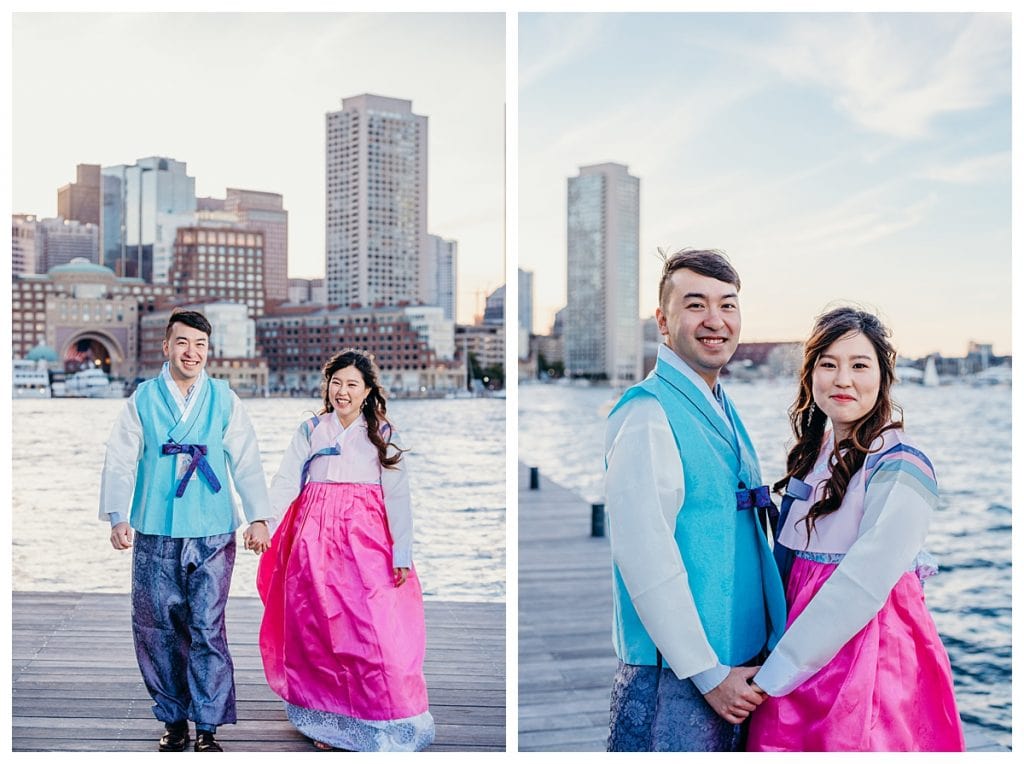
<point x="566" y="659"/>
<point x="76" y="686"/>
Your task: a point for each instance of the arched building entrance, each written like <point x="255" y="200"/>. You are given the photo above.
<point x="94" y="350"/>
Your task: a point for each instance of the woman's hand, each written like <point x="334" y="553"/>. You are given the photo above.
<point x="401" y="574"/>
<point x="257" y="536"/>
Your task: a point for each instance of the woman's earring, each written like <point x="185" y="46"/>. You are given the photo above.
<point x="810" y="411"/>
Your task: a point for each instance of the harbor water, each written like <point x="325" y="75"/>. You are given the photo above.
<point x="457" y="475"/>
<point x="966" y="432"/>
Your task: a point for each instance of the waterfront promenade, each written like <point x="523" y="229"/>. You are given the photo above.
<point x="76" y="686"/>
<point x="566" y="660"/>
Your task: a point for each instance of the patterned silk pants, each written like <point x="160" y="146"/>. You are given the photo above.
<point x="179" y="590"/>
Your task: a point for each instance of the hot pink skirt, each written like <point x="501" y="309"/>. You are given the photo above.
<point x="337" y="635"/>
<point x="890" y="688"/>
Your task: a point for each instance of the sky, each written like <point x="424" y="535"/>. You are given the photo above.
<point x="835" y="158"/>
<point x="242" y="98"/>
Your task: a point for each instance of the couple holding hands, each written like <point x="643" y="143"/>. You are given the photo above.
<point x="742" y="627"/>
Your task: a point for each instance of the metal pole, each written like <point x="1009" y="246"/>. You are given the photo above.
<point x="597" y="520"/>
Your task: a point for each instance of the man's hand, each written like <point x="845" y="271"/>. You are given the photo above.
<point x="257" y="537"/>
<point x="121" y="536"/>
<point x="734" y="698"/>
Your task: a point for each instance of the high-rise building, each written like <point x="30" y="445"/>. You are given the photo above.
<point x="81" y="200"/>
<point x="376" y="230"/>
<point x="602" y="335"/>
<point x="219" y="263"/>
<point x="526" y="300"/>
<point x="265" y="212"/>
<point x="60" y="241"/>
<point x="144" y="204"/>
<point x="525" y="322"/>
<point x="438" y="275"/>
<point x="23" y="244"/>
<point x="494" y="307"/>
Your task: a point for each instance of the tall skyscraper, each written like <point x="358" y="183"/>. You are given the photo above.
<point x="144" y="204"/>
<point x="261" y="211"/>
<point x="438" y="275"/>
<point x="23" y="244"/>
<point x="494" y="307"/>
<point x="602" y="333"/>
<point x="376" y="202"/>
<point x="525" y="312"/>
<point x="59" y="241"/>
<point x="81" y="200"/>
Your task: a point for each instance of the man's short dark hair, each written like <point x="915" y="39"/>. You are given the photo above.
<point x="192" y="318"/>
<point x="707" y="262"/>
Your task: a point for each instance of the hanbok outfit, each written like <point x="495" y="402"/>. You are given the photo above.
<point x="861" y="666"/>
<point x="341" y="644"/>
<point x="695" y="588"/>
<point x="166" y="472"/>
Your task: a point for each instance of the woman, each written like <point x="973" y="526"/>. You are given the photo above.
<point x="343" y="633"/>
<point x="860" y="666"/>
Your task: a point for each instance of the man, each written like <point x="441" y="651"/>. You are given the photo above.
<point x="697" y="597"/>
<point x="165" y="477"/>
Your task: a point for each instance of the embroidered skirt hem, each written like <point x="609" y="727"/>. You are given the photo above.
<point x="340" y="731"/>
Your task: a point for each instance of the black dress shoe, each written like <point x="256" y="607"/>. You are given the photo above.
<point x="205" y="741"/>
<point x="175" y="738"/>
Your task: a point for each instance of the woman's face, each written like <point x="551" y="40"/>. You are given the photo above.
<point x="846" y="380"/>
<point x="347" y="391"/>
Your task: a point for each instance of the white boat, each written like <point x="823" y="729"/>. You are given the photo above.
<point x="92" y="383"/>
<point x="31" y="379"/>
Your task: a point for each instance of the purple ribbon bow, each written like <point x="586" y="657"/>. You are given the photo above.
<point x="198" y="454"/>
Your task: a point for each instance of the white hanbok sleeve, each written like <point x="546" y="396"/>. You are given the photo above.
<point x="900" y="497"/>
<point x="394" y="483"/>
<point x="243" y="457"/>
<point x="121" y="464"/>
<point x="284" y="486"/>
<point x="644" y="490"/>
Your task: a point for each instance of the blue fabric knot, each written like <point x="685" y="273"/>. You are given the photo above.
<point x="748" y="498"/>
<point x="198" y="454"/>
<point x="798" y="489"/>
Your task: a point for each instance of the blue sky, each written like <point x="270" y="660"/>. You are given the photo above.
<point x="834" y="157"/>
<point x="241" y="99"/>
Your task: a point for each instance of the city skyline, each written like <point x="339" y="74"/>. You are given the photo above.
<point x="834" y="157"/>
<point x="243" y="112"/>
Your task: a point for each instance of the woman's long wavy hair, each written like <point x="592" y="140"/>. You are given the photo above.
<point x="374" y="407"/>
<point x="808" y="421"/>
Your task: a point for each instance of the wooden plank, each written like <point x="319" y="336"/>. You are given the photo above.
<point x="67" y="695"/>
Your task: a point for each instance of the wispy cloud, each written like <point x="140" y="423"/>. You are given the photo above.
<point x="555" y="43"/>
<point x="971" y="171"/>
<point x="897" y="74"/>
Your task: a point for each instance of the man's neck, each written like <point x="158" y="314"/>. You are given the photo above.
<point x="710" y="377"/>
<point x="184" y="384"/>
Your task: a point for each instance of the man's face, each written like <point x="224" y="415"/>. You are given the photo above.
<point x="186" y="350"/>
<point x="700" y="321"/>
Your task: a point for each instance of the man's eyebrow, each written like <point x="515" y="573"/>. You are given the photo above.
<point x="701" y="296"/>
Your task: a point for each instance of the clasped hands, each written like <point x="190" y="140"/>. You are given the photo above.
<point x="736" y="696"/>
<point x="257" y="537"/>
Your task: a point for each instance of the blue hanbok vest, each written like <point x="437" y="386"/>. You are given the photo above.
<point x="200" y="510"/>
<point x="729" y="564"/>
